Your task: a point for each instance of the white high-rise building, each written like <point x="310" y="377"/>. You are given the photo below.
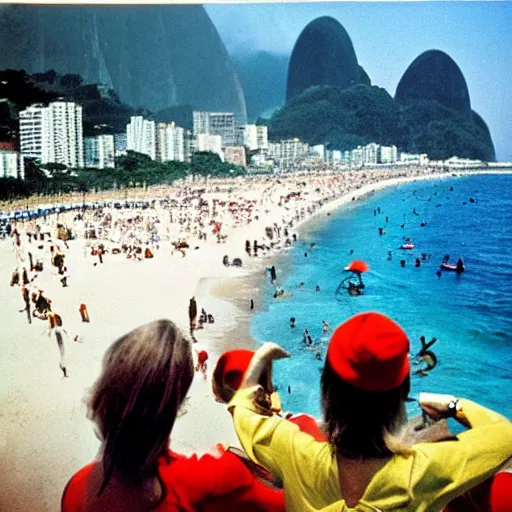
<point x="388" y="154"/>
<point x="252" y="136"/>
<point x="356" y="157"/>
<point x="36" y="133"/>
<point x="141" y="136"/>
<point x="53" y="133"/>
<point x="120" y="144"/>
<point x="213" y="143"/>
<point x="99" y="151"/>
<point x="247" y="135"/>
<point x="215" y="123"/>
<point x="289" y="151"/>
<point x="262" y="136"/>
<point x="319" y="149"/>
<point x="170" y="142"/>
<point x="11" y="165"/>
<point x="370" y="153"/>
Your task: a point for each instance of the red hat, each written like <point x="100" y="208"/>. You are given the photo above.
<point x="369" y="351"/>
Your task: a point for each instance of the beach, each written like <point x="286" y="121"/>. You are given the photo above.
<point x="44" y="435"/>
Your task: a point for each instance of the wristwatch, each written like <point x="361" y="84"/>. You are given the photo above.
<point x="454" y="407"/>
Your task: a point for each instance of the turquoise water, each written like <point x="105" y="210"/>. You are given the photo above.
<point x="470" y="315"/>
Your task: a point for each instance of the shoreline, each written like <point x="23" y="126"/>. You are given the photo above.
<point x="309" y="225"/>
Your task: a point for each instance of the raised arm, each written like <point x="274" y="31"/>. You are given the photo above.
<point x="476" y="455"/>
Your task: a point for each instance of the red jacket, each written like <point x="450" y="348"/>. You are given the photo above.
<point x="205" y="484"/>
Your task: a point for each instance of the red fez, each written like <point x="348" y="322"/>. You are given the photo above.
<point x="231" y="367"/>
<point x="371" y="352"/>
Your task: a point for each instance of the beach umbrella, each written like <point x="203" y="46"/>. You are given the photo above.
<point x="357" y="266"/>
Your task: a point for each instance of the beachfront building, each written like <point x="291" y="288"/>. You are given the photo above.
<point x="414" y="159"/>
<point x="141" y="136"/>
<point x="170" y="142"/>
<point x="35" y="133"/>
<point x="288" y="152"/>
<point x="215" y="123"/>
<point x="319" y="150"/>
<point x="371" y="154"/>
<point x="235" y="155"/>
<point x="456" y="162"/>
<point x="99" y="152"/>
<point x="213" y="143"/>
<point x="11" y="165"/>
<point x="252" y="136"/>
<point x="356" y="157"/>
<point x="388" y="154"/>
<point x="189" y="145"/>
<point x="53" y="133"/>
<point x="247" y="135"/>
<point x="262" y="136"/>
<point x="120" y="144"/>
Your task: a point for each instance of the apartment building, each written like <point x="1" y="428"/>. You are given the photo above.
<point x="213" y="143"/>
<point x="99" y="151"/>
<point x="170" y="142"/>
<point x="11" y="165"/>
<point x="53" y="133"/>
<point x="215" y="123"/>
<point x="141" y="136"/>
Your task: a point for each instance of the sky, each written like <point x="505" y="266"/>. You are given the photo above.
<point x="388" y="36"/>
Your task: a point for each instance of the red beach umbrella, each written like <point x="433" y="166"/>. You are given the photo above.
<point x="357" y="266"/>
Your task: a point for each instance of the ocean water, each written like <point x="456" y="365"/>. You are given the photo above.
<point x="470" y="315"/>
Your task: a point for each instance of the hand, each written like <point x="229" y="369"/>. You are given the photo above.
<point x="261" y="365"/>
<point x="436" y="405"/>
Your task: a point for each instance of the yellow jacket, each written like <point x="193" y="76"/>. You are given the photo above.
<point x="427" y="480"/>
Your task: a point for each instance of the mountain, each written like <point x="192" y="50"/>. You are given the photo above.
<point x="435" y="76"/>
<point x="322" y="55"/>
<point x="346" y="118"/>
<point x="153" y="56"/>
<point x="442" y="132"/>
<point x="341" y="118"/>
<point x="437" y="108"/>
<point x="485" y="135"/>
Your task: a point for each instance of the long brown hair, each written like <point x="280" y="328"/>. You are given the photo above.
<point x="146" y="376"/>
<point x="362" y="424"/>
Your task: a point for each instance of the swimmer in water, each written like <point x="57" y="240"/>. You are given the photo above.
<point x="430" y="360"/>
<point x="279" y="292"/>
<point x="425" y="346"/>
<point x="292" y="322"/>
<point x="325" y="327"/>
<point x="307" y="338"/>
<point x="354" y="289"/>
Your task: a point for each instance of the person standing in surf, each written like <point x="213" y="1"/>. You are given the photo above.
<point x="192" y="313"/>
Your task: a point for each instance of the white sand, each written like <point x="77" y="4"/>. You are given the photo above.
<point x="44" y="434"/>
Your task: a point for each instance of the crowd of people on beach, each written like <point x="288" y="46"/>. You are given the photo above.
<point x="363" y="455"/>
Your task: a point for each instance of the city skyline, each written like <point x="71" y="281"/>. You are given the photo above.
<point x="475" y="34"/>
<point x="387" y="37"/>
